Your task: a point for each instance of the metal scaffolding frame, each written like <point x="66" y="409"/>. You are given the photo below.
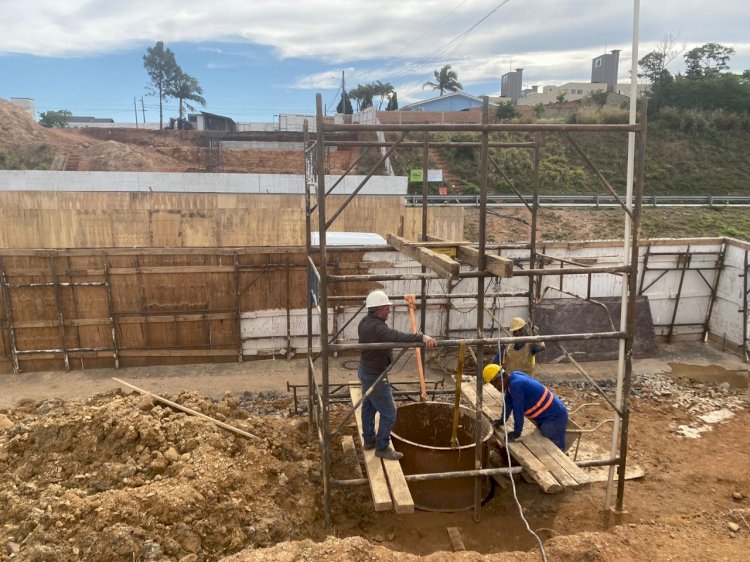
<point x="321" y="281"/>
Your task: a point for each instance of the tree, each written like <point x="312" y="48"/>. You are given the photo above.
<point x="54" y="119"/>
<point x="446" y="80"/>
<point x="560" y="98"/>
<point x="392" y="102"/>
<point x="707" y="61"/>
<point x="506" y="111"/>
<point x="382" y="90"/>
<point x="185" y="88"/>
<point x="538" y="110"/>
<point x="363" y="95"/>
<point x="345" y="105"/>
<point x="162" y="69"/>
<point x="654" y="64"/>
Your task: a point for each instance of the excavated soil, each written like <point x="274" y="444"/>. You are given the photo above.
<point x="121" y="477"/>
<point x="141" y="150"/>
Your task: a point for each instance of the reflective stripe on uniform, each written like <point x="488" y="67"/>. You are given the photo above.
<point x="544" y="402"/>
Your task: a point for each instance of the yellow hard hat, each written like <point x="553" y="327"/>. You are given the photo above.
<point x="490" y="372"/>
<point x="517" y="323"/>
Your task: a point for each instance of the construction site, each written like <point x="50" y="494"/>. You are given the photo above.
<point x="179" y="353"/>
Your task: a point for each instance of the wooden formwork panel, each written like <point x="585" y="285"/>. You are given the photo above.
<point x="145" y="220"/>
<point x="165" y="306"/>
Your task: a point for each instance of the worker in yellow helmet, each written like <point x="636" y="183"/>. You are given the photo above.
<point x="518" y="356"/>
<point x="528" y="398"/>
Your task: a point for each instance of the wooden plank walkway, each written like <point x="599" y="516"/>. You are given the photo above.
<point x="387" y="482"/>
<point x="547" y="465"/>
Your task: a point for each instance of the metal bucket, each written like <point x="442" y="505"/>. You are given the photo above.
<point x="423" y="434"/>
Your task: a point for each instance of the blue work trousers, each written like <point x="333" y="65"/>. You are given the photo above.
<point x="380" y="401"/>
<point x="554" y="429"/>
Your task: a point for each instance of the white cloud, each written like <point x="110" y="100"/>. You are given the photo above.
<point x="545" y="37"/>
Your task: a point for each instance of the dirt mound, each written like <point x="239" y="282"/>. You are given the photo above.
<point x="20" y="133"/>
<point x="122" y="478"/>
<point x="18" y="128"/>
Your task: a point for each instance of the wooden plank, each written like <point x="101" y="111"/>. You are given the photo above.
<point x="456" y="540"/>
<point x="578" y="474"/>
<point x="381" y="497"/>
<point x="350" y="455"/>
<point x="439" y="263"/>
<point x="497" y="265"/>
<point x="402" y="500"/>
<point x="533" y="466"/>
<point x="534" y="444"/>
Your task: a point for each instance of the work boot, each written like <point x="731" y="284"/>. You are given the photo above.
<point x="389" y="454"/>
<point x="369" y="445"/>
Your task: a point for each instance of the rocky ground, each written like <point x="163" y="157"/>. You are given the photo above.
<point x="122" y="477"/>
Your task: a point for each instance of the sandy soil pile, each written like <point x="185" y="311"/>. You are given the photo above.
<point x="122" y="478"/>
<point x="18" y="131"/>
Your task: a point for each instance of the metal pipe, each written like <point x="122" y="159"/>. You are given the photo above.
<point x="418" y="144"/>
<point x="475" y="128"/>
<point x="463" y="474"/>
<point x="632" y="302"/>
<point x="323" y="302"/>
<point x="475" y="274"/>
<point x="445" y="296"/>
<point x="599" y="462"/>
<point x="478" y="341"/>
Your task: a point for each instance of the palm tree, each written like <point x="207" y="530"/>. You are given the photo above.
<point x="446" y="80"/>
<point x="384" y="91"/>
<point x="184" y="88"/>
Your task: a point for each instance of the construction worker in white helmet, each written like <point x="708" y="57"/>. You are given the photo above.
<point x="373" y="329"/>
<point x="519" y="356"/>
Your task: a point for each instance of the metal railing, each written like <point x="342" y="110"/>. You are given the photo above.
<point x="511" y="200"/>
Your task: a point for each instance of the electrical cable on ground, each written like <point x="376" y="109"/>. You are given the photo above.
<point x="507" y="449"/>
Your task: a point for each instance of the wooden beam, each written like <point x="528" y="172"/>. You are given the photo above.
<point x="402" y="500"/>
<point x="456" y="540"/>
<point x="535" y="446"/>
<point x="439" y="263"/>
<point x="350" y="455"/>
<point x="497" y="265"/>
<point x="189" y="410"/>
<point x="381" y="498"/>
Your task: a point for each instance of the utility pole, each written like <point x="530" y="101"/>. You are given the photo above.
<point x="344" y="97"/>
<point x="143" y="110"/>
<point x="135" y="110"/>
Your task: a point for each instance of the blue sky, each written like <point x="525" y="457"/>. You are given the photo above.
<point x="256" y="59"/>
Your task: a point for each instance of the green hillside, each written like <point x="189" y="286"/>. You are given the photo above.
<point x="705" y="162"/>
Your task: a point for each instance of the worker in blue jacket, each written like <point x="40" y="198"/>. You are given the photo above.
<point x="528" y="398"/>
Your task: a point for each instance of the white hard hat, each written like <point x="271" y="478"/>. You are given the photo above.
<point x="376" y="299"/>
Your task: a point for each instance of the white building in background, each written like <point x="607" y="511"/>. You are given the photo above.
<point x="27" y="104"/>
<point x="573" y="91"/>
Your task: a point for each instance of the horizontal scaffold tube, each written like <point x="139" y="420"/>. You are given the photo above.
<point x="447" y="296"/>
<point x="437" y="476"/>
<point x="480" y="128"/>
<point x="481" y="341"/>
<point x="474" y="274"/>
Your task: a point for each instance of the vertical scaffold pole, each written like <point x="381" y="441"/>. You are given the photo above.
<point x="323" y="301"/>
<point x="481" y="266"/>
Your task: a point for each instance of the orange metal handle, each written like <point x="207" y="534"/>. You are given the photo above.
<point x="411" y="301"/>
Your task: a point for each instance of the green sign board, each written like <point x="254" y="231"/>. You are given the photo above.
<point x="416" y="175"/>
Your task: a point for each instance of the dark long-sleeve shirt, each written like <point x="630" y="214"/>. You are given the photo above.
<point x="375" y="330"/>
<point x="527" y="397"/>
